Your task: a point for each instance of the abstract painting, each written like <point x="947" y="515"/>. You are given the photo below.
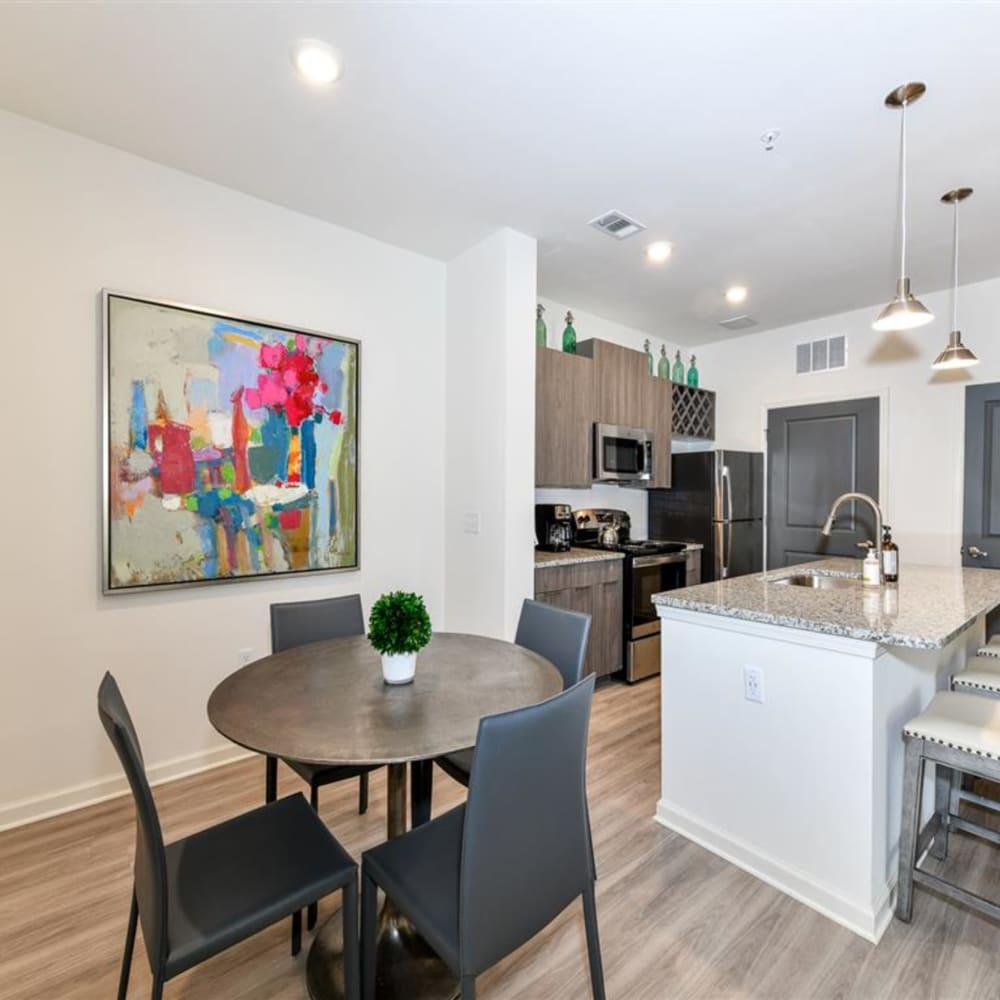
<point x="231" y="447"/>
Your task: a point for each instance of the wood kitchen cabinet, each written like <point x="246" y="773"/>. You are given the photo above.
<point x="564" y="392"/>
<point x="626" y="394"/>
<point x="596" y="589"/>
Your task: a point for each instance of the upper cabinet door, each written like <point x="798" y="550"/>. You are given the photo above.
<point x="622" y="394"/>
<point x="626" y="394"/>
<point x="564" y="394"/>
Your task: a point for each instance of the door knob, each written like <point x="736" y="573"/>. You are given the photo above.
<point x="974" y="552"/>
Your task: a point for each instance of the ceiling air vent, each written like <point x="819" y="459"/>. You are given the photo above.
<point x="738" y="323"/>
<point x="821" y="355"/>
<point x="617" y="224"/>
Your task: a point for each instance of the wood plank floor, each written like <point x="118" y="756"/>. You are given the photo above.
<point x="676" y="921"/>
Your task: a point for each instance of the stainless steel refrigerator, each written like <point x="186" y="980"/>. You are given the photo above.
<point x="716" y="498"/>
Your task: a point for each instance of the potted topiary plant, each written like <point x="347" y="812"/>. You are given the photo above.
<point x="399" y="627"/>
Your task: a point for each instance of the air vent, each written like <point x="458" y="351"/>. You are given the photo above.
<point x="738" y="323"/>
<point x="617" y="224"/>
<point x="821" y="356"/>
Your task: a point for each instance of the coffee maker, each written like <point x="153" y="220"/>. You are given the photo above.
<point x="553" y="527"/>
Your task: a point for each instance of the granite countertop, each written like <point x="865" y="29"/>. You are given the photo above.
<point x="927" y="608"/>
<point x="574" y="557"/>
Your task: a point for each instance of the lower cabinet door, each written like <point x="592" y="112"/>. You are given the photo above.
<point x="595" y="588"/>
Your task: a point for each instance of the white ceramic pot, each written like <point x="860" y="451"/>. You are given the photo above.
<point x="398" y="668"/>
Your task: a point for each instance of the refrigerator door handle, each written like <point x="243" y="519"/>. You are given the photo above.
<point x="719" y="513"/>
<point x="721" y="559"/>
<point x="727" y="479"/>
<point x="729" y="549"/>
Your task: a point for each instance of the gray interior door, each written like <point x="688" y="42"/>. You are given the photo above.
<point x="981" y="518"/>
<point x="815" y="453"/>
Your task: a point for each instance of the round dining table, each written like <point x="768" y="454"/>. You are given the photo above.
<point x="326" y="703"/>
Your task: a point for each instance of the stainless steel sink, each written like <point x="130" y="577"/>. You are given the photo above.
<point x="819" y="581"/>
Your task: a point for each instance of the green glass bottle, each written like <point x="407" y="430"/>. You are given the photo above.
<point x="678" y="371"/>
<point x="649" y="356"/>
<point x="663" y="368"/>
<point x="541" y="330"/>
<point x="693" y="374"/>
<point x="569" y="335"/>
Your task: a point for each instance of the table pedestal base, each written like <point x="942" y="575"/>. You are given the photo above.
<point x="407" y="967"/>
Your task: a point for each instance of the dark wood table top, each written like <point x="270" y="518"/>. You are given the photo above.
<point x="325" y="703"/>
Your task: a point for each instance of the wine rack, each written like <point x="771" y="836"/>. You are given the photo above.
<point x="694" y="413"/>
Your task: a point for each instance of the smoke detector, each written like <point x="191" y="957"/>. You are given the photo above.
<point x="617" y="224"/>
<point x="738" y="323"/>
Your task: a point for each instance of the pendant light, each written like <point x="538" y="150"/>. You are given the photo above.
<point x="956" y="354"/>
<point x="904" y="312"/>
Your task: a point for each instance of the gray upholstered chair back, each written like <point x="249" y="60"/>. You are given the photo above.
<point x="150" y="856"/>
<point x="298" y="622"/>
<point x="557" y="634"/>
<point x="526" y="851"/>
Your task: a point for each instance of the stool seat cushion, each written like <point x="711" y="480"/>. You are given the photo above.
<point x="982" y="674"/>
<point x="967" y="722"/>
<point x="992" y="648"/>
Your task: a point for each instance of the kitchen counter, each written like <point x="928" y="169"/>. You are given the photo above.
<point x="573" y="557"/>
<point x="926" y="610"/>
<point x="782" y="710"/>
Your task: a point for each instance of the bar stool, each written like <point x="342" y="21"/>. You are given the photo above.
<point x="956" y="732"/>
<point x="981" y="676"/>
<point x="992" y="647"/>
<point x="982" y="673"/>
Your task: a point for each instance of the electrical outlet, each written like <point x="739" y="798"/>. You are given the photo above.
<point x="471" y="523"/>
<point x="753" y="684"/>
<point x="244" y="656"/>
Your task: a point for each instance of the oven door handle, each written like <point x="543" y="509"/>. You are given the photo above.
<point x="661" y="560"/>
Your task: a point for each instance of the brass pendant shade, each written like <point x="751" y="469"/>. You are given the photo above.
<point x="956" y="354"/>
<point x="904" y="312"/>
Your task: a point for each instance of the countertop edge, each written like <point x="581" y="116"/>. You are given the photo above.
<point x="807" y="625"/>
<point x="574" y="557"/>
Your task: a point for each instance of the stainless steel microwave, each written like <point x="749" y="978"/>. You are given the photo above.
<point x="622" y="454"/>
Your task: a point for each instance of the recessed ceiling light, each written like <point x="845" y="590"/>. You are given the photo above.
<point x="316" y="62"/>
<point x="659" y="251"/>
<point x="736" y="294"/>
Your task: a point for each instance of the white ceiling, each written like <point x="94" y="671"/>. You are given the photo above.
<point x="453" y="120"/>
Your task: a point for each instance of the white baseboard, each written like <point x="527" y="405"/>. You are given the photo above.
<point x="87" y="794"/>
<point x="867" y="922"/>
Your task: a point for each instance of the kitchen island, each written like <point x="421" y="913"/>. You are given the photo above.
<point x="783" y="701"/>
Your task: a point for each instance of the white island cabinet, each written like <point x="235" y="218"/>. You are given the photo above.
<point x="803" y="786"/>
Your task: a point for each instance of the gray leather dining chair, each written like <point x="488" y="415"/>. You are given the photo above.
<point x="296" y="623"/>
<point x="558" y="634"/>
<point x="200" y="895"/>
<point x="486" y="877"/>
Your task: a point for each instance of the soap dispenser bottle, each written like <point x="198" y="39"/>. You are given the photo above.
<point x="870" y="567"/>
<point x="890" y="556"/>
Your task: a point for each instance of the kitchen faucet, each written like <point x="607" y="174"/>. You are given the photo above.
<point x="865" y="498"/>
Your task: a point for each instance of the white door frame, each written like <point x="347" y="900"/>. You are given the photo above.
<point x="836" y="397"/>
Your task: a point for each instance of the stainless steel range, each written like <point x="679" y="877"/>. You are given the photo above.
<point x="650" y="567"/>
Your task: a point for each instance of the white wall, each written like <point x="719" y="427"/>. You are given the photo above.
<point x="589" y="326"/>
<point x="490" y="434"/>
<point x="77" y="216"/>
<point x="924" y="410"/>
